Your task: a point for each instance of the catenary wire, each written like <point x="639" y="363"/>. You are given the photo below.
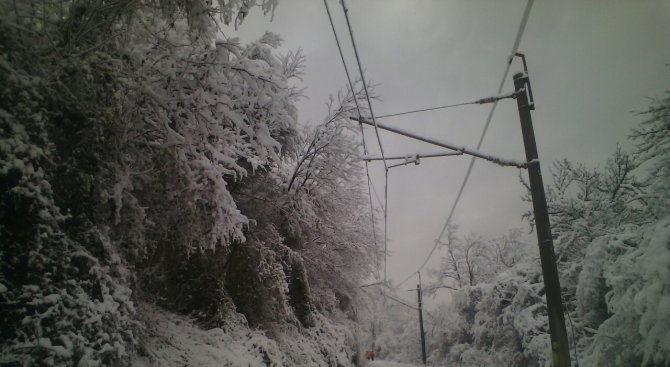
<point x="360" y="70"/>
<point x="425" y="109"/>
<point x="372" y="114"/>
<point x="479" y="101"/>
<point x="365" y="148"/>
<point x="517" y="41"/>
<point x="379" y="201"/>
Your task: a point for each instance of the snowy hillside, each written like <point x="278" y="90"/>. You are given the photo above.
<point x="160" y="203"/>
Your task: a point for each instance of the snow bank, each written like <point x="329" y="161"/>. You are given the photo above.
<point x="174" y="340"/>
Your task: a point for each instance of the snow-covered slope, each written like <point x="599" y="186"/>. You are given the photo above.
<point x="389" y="364"/>
<point x="174" y="340"/>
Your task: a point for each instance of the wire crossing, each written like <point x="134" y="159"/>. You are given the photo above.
<point x="515" y="47"/>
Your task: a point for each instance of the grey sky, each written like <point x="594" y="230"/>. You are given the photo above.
<point x="591" y="63"/>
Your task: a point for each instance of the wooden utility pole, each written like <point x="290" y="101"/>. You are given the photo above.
<point x="423" y="335"/>
<point x="374" y="337"/>
<point x="559" y="336"/>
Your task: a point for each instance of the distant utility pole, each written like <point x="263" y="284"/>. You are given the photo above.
<point x="423" y="335"/>
<point x="559" y="336"/>
<point x="374" y="337"/>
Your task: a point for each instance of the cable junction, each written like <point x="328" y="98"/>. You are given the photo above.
<point x="360" y="70"/>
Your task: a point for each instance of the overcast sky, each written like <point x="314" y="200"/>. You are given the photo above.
<point x="590" y="63"/>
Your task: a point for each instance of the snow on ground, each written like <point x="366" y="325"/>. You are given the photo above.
<point x="389" y="364"/>
<point x="174" y="340"/>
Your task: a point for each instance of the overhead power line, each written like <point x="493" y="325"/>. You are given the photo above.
<point x="365" y="151"/>
<point x="379" y="140"/>
<point x="365" y="148"/>
<point x="360" y="70"/>
<point x="344" y="63"/>
<point x="425" y="109"/>
<point x="479" y="101"/>
<point x="399" y="301"/>
<point x="379" y="201"/>
<point x="515" y="47"/>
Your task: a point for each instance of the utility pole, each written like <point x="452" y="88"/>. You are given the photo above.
<point x="559" y="336"/>
<point x="374" y="337"/>
<point x="423" y="335"/>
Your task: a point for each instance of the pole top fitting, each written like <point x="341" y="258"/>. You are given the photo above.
<point x="521" y="75"/>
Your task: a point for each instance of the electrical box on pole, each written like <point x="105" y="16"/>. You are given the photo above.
<point x="557" y="331"/>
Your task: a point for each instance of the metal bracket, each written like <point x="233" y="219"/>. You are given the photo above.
<point x="531" y="101"/>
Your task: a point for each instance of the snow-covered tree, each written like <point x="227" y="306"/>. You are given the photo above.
<point x="130" y="134"/>
<point x="623" y="288"/>
<point x="314" y="202"/>
<point x="474" y="259"/>
<point x="653" y="140"/>
<point x="611" y="236"/>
